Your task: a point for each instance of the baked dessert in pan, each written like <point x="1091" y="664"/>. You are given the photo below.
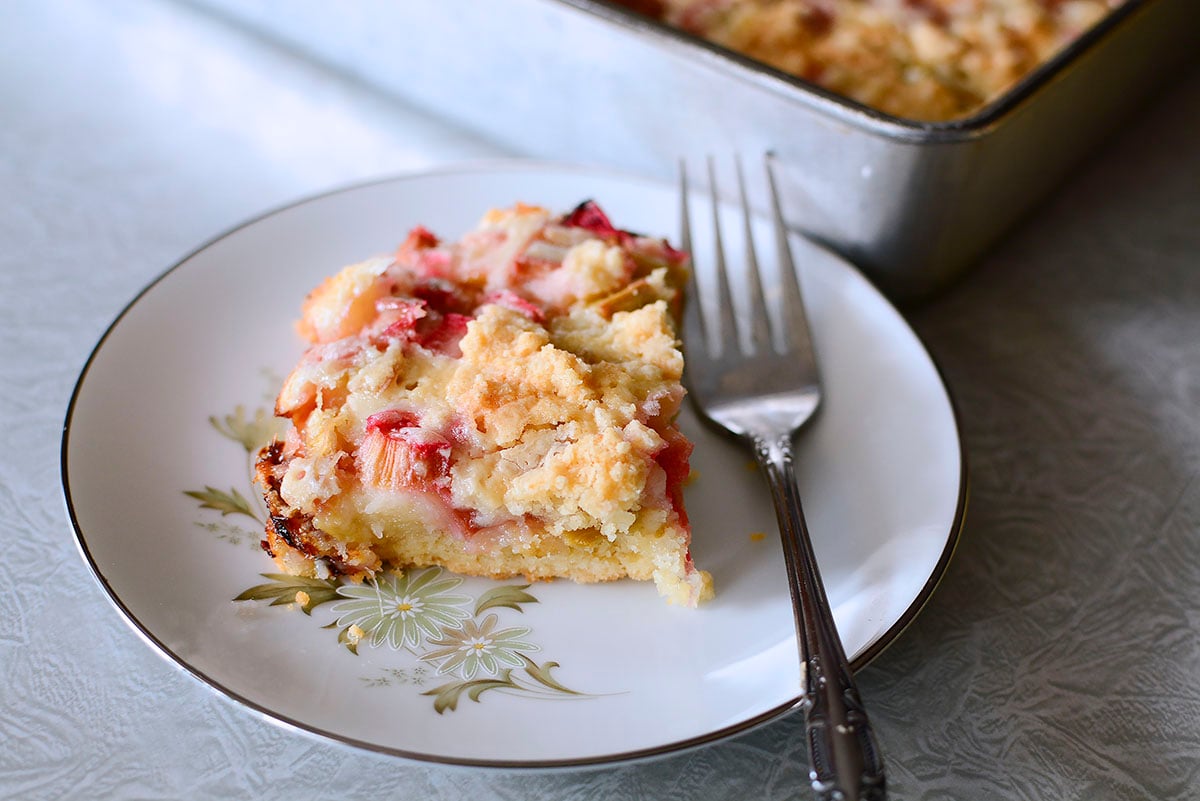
<point x="926" y="60"/>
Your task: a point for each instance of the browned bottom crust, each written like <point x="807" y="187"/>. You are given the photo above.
<point x="645" y="553"/>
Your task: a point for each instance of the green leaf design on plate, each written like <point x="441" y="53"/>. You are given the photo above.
<point x="251" y="433"/>
<point x="509" y="596"/>
<point x="284" y="589"/>
<point x="541" y="674"/>
<point x="475" y="647"/>
<point x="447" y="695"/>
<point x="227" y="503"/>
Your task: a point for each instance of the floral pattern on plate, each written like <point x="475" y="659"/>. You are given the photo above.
<point x="419" y="612"/>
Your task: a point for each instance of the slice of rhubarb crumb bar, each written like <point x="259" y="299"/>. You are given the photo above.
<point x="500" y="406"/>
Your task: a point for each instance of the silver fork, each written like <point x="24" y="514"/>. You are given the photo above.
<point x="760" y="383"/>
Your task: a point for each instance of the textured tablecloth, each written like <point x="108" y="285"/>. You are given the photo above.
<point x="1058" y="660"/>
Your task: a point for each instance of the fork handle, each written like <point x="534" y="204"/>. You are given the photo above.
<point x="845" y="761"/>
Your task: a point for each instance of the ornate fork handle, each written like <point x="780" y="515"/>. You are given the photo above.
<point x="846" y="765"/>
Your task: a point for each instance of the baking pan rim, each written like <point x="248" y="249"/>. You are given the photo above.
<point x="792" y="88"/>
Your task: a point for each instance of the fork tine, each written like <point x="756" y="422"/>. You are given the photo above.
<point x="760" y="330"/>
<point x="727" y="328"/>
<point x="795" y="335"/>
<point x="685" y="217"/>
<point x="694" y="327"/>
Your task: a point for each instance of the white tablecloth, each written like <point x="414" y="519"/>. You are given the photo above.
<point x="1058" y="660"/>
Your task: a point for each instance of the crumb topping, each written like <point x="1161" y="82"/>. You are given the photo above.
<point x="509" y="353"/>
<point x="925" y="60"/>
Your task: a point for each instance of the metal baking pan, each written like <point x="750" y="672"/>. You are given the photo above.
<point x="913" y="204"/>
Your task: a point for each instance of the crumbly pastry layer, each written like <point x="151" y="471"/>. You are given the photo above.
<point x="928" y="60"/>
<point x="500" y="406"/>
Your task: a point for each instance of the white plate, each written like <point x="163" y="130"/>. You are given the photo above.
<point x="881" y="470"/>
